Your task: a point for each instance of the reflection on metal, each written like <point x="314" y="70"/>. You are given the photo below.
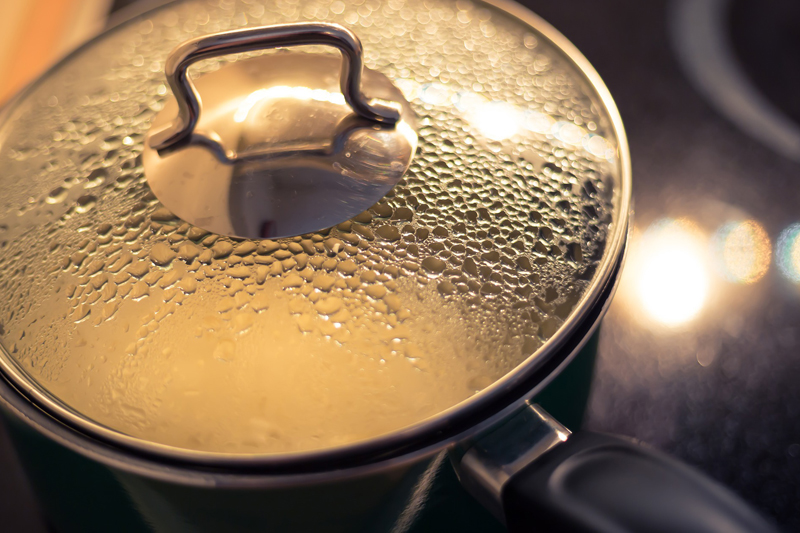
<point x="498" y="121"/>
<point x="282" y="91"/>
<point x="742" y="251"/>
<point x="419" y="496"/>
<point x="495" y="457"/>
<point x="278" y="151"/>
<point x="182" y="57"/>
<point x="788" y="253"/>
<point x="670" y="271"/>
<point x="701" y="42"/>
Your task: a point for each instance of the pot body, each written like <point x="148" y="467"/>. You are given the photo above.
<point x="88" y="485"/>
<point x="84" y="494"/>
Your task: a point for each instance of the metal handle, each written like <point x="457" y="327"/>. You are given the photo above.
<point x="536" y="476"/>
<point x="264" y="37"/>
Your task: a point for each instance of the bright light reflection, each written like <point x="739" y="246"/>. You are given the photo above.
<point x="567" y="132"/>
<point x="409" y="88"/>
<point x="672" y="281"/>
<point x="539" y="122"/>
<point x="435" y="94"/>
<point x="598" y="146"/>
<point x="742" y="251"/>
<point x="283" y="91"/>
<point x="498" y="120"/>
<point x="467" y="101"/>
<point x="788" y="253"/>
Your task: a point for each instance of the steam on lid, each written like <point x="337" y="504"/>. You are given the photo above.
<point x="162" y="331"/>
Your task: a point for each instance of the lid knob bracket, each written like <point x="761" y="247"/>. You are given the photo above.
<point x="179" y="131"/>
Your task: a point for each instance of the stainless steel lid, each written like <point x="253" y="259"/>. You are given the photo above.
<point x="498" y="240"/>
<point x="277" y="150"/>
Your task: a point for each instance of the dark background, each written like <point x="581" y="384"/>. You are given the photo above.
<point x="720" y="391"/>
<point x="738" y="417"/>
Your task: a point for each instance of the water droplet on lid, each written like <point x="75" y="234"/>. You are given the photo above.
<point x="140" y="290"/>
<point x="189" y="251"/>
<point x="188" y="285"/>
<point x="403" y="213"/>
<point x="446" y="288"/>
<point x="196" y="233"/>
<point x="85" y="203"/>
<point x="222" y="249"/>
<point x="239" y="272"/>
<point x="267" y="247"/>
<point x="245" y="248"/>
<point x="574" y="252"/>
<point x="382" y="210"/>
<point x="161" y="254"/>
<point x="491" y="289"/>
<point x="292" y="280"/>
<point x="376" y="291"/>
<point x="347" y="267"/>
<point x="328" y="306"/>
<point x="433" y="265"/>
<point x="389" y="233"/>
<point x="96" y="178"/>
<point x="324" y="282"/>
<point x="57" y="195"/>
<point x="261" y="274"/>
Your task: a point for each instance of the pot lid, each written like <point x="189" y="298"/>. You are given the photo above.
<point x="489" y="212"/>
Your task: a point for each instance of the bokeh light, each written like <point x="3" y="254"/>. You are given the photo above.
<point x="670" y="272"/>
<point x="788" y="253"/>
<point x="742" y="251"/>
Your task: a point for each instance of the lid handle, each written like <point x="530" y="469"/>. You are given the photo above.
<point x="259" y="38"/>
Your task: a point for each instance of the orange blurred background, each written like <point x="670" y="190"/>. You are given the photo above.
<point x="34" y="34"/>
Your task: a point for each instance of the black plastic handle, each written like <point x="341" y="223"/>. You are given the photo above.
<point x="604" y="484"/>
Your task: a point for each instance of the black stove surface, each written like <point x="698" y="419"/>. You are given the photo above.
<point x="705" y="367"/>
<point x="765" y="38"/>
<point x="699" y="353"/>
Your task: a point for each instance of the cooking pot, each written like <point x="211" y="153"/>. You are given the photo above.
<point x="461" y="179"/>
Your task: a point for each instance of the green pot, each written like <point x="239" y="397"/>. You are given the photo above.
<point x="84" y="487"/>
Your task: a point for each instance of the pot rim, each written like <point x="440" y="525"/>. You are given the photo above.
<point x="431" y="434"/>
<point x="153" y="467"/>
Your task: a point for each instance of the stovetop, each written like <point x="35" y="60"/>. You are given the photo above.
<point x="705" y="365"/>
<point x="699" y="353"/>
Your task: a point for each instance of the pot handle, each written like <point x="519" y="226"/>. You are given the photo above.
<point x="260" y="38"/>
<point x="594" y="483"/>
